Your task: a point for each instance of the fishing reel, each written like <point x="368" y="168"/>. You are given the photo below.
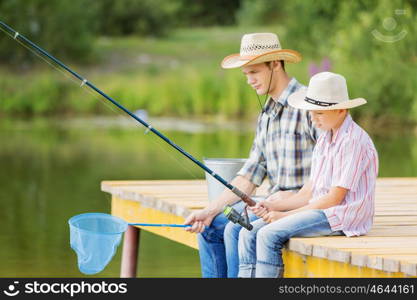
<point x="235" y="217"/>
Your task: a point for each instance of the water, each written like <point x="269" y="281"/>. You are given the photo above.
<point x="52" y="169"/>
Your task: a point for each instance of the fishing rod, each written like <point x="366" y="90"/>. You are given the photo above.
<point x="229" y="212"/>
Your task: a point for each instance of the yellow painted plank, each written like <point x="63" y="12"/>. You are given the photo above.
<point x="297" y="265"/>
<point x="133" y="212"/>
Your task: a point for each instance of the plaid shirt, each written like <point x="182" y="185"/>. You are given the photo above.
<point x="283" y="145"/>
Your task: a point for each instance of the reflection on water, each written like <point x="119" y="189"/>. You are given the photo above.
<point x="52" y="170"/>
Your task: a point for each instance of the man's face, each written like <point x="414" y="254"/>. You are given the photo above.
<point x="258" y="77"/>
<point x="327" y="119"/>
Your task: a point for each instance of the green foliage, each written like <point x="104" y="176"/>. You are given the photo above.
<point x="31" y="99"/>
<point x="179" y="75"/>
<point x="145" y="17"/>
<point x="259" y="12"/>
<point x="383" y="72"/>
<point x="65" y="28"/>
<point x="359" y="37"/>
<point x="208" y="12"/>
<point x="203" y="93"/>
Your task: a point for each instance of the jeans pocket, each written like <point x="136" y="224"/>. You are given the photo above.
<point x="213" y="235"/>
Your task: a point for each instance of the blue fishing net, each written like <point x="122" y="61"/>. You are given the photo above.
<point x="95" y="237"/>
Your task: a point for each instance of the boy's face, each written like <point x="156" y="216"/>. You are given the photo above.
<point x="258" y="77"/>
<point x="327" y="119"/>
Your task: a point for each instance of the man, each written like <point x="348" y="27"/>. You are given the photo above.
<point x="339" y="197"/>
<point x="281" y="150"/>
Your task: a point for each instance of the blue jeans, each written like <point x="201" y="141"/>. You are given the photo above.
<point x="260" y="249"/>
<point x="218" y="250"/>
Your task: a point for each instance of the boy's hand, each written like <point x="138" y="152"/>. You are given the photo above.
<point x="273" y="216"/>
<point x="259" y="209"/>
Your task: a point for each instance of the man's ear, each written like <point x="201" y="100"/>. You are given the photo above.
<point x="275" y="65"/>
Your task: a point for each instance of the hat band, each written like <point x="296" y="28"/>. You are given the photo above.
<point x="320" y="103"/>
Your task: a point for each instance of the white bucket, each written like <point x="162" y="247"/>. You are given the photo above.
<point x="226" y="168"/>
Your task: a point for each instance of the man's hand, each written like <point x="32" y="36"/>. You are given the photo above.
<point x="273" y="216"/>
<point x="199" y="220"/>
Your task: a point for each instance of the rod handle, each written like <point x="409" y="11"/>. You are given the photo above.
<point x="243" y="196"/>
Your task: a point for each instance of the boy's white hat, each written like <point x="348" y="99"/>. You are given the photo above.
<point x="256" y="48"/>
<point x="326" y="91"/>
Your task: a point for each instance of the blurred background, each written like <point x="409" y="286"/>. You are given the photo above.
<point x="161" y="59"/>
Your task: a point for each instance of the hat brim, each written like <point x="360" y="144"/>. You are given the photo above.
<point x="296" y="100"/>
<point x="236" y="61"/>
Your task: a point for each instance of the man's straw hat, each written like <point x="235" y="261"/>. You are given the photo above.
<point x="326" y="91"/>
<point x="256" y="48"/>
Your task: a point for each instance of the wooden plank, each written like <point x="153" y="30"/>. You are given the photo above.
<point x="411" y="219"/>
<point x="345" y="242"/>
<point x="359" y="256"/>
<point x="393" y="231"/>
<point x="394" y="213"/>
<point x="393" y="263"/>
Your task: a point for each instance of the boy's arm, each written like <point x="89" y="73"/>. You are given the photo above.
<point x="275" y="203"/>
<point x="298" y="200"/>
<point x="334" y="197"/>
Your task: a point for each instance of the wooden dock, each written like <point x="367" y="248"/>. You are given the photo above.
<point x="389" y="250"/>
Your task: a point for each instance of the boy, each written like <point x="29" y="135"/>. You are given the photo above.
<point x="339" y="197"/>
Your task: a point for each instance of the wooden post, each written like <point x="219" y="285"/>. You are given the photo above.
<point x="130" y="252"/>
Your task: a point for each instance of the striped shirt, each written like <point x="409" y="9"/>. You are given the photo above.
<point x="349" y="161"/>
<point x="283" y="145"/>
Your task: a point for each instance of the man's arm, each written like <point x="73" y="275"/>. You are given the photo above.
<point x="252" y="173"/>
<point x="227" y="197"/>
<point x="202" y="218"/>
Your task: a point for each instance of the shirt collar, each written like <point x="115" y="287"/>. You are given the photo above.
<point x="342" y="129"/>
<point x="292" y="86"/>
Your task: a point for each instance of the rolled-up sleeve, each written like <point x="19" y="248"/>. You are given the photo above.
<point x="255" y="166"/>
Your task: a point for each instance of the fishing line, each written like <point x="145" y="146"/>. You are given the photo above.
<point x="84" y="81"/>
<point x="228" y="211"/>
<point x="84" y="88"/>
<point x="55" y="66"/>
